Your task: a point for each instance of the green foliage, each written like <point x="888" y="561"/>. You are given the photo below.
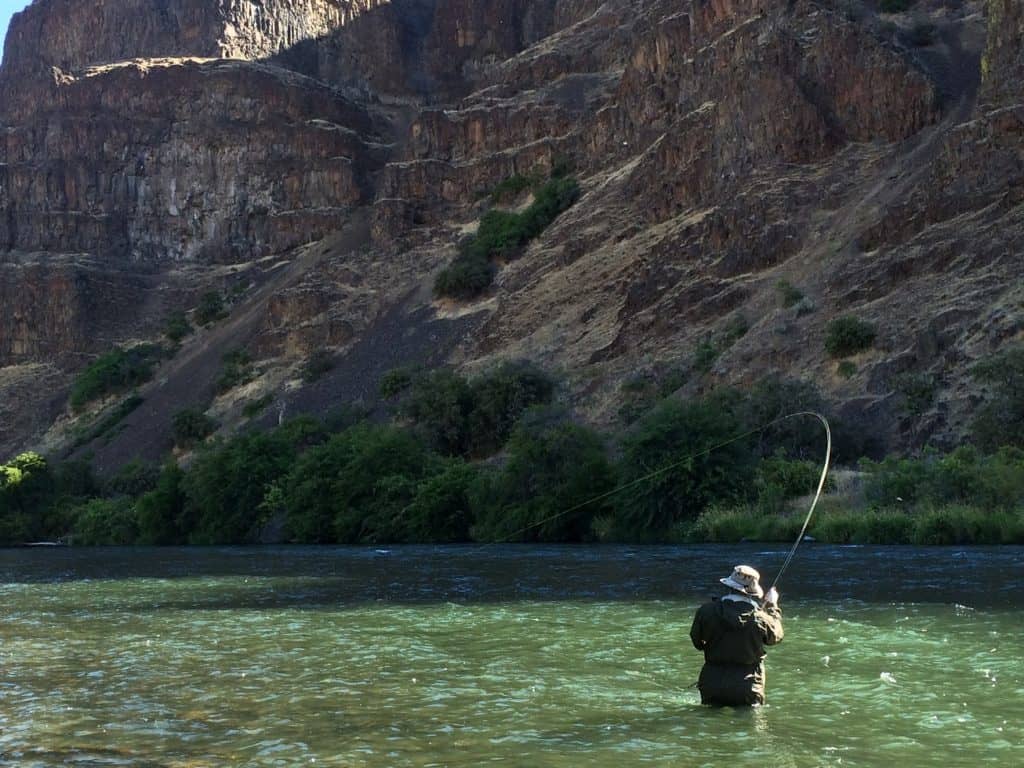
<point x="177" y="327"/>
<point x="515" y="185"/>
<point x="502" y="234"/>
<point x="355" y="487"/>
<point x="440" y="511"/>
<point x="226" y="483"/>
<point x="133" y="479"/>
<point x="788" y="294"/>
<point x="681" y="435"/>
<point x="104" y="522"/>
<point x="773" y="398"/>
<point x="736" y="328"/>
<point x="26" y="493"/>
<point x="704" y="356"/>
<point x="1000" y="421"/>
<point x="918" y="391"/>
<point x="106" y="424"/>
<point x="458" y="417"/>
<point x="236" y="370"/>
<point x="161" y="511"/>
<point x="319" y="364"/>
<point x="116" y="371"/>
<point x="191" y="426"/>
<point x="963" y="477"/>
<point x="845" y="336"/>
<point x="210" y="309"/>
<point x="541" y="493"/>
<point x="779" y="479"/>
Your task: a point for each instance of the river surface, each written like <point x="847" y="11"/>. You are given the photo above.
<point x="503" y="655"/>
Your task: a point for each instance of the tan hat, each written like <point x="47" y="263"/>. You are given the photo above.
<point x="744" y="579"/>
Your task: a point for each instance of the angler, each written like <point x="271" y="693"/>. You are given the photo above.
<point x="733" y="632"/>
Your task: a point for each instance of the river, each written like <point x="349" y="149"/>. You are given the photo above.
<point x="501" y="655"/>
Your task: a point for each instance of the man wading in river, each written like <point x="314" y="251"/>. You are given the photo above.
<point x="732" y="632"/>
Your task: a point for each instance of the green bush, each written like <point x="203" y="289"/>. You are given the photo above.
<point x="542" y="492"/>
<point x="177" y="327"/>
<point x="918" y="392"/>
<point x="161" y="511"/>
<point x="681" y="436"/>
<point x="440" y="511"/>
<point x="191" y="426"/>
<point x="514" y="186"/>
<point x="133" y="479"/>
<point x="845" y="336"/>
<point x="237" y="370"/>
<point x="116" y="371"/>
<point x="210" y="309"/>
<point x="106" y="522"/>
<point x="704" y="356"/>
<point x="846" y="369"/>
<point x="502" y="234"/>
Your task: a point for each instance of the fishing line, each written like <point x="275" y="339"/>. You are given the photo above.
<point x="685" y="460"/>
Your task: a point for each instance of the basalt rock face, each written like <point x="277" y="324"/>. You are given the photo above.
<point x="326" y="167"/>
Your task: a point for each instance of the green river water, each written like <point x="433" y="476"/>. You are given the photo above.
<point x="510" y="656"/>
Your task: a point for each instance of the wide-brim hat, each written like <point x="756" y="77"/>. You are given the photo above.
<point x="744" y="579"/>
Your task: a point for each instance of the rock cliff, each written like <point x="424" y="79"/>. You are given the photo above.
<point x="318" y="161"/>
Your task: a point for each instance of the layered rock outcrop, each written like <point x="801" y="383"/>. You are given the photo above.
<point x="331" y="154"/>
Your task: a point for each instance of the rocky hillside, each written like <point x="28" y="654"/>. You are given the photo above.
<point x="750" y="170"/>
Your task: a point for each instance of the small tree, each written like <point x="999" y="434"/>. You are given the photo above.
<point x="847" y="335"/>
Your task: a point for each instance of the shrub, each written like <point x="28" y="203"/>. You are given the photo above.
<point x="236" y="370"/>
<point x="514" y="186"/>
<point x="177" y="327"/>
<point x="191" y="426"/>
<point x="439" y="405"/>
<point x="680" y="436"/>
<point x="846" y="369"/>
<point x="161" y="511"/>
<point x="133" y="479"/>
<point x="736" y="328"/>
<point x="116" y="371"/>
<point x="918" y="391"/>
<point x="210" y="308"/>
<point x="542" y="492"/>
<point x="845" y="336"/>
<point x="500" y="397"/>
<point x="107" y="522"/>
<point x="440" y="511"/>
<point x="502" y="234"/>
<point x="705" y="355"/>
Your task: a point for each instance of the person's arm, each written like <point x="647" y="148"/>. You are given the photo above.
<point x="771" y="618"/>
<point x="697" y="631"/>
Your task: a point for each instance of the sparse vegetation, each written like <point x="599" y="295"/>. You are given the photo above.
<point x="191" y="426"/>
<point x="846" y="369"/>
<point x="105" y="425"/>
<point x="177" y="327"/>
<point x="210" y="309"/>
<point x="395" y="382"/>
<point x="237" y="369"/>
<point x="704" y="356"/>
<point x="116" y="371"/>
<point x="788" y="294"/>
<point x="515" y="185"/>
<point x="918" y="392"/>
<point x="847" y="335"/>
<point x="256" y="407"/>
<point x="500" y="235"/>
<point x="1000" y="421"/>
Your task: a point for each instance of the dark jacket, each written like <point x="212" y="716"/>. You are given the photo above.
<point x="733" y="635"/>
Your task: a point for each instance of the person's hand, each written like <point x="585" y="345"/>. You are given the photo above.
<point x="772" y="598"/>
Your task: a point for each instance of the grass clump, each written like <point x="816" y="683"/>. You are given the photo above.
<point x="502" y="234"/>
<point x="116" y="371"/>
<point x="847" y="335"/>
